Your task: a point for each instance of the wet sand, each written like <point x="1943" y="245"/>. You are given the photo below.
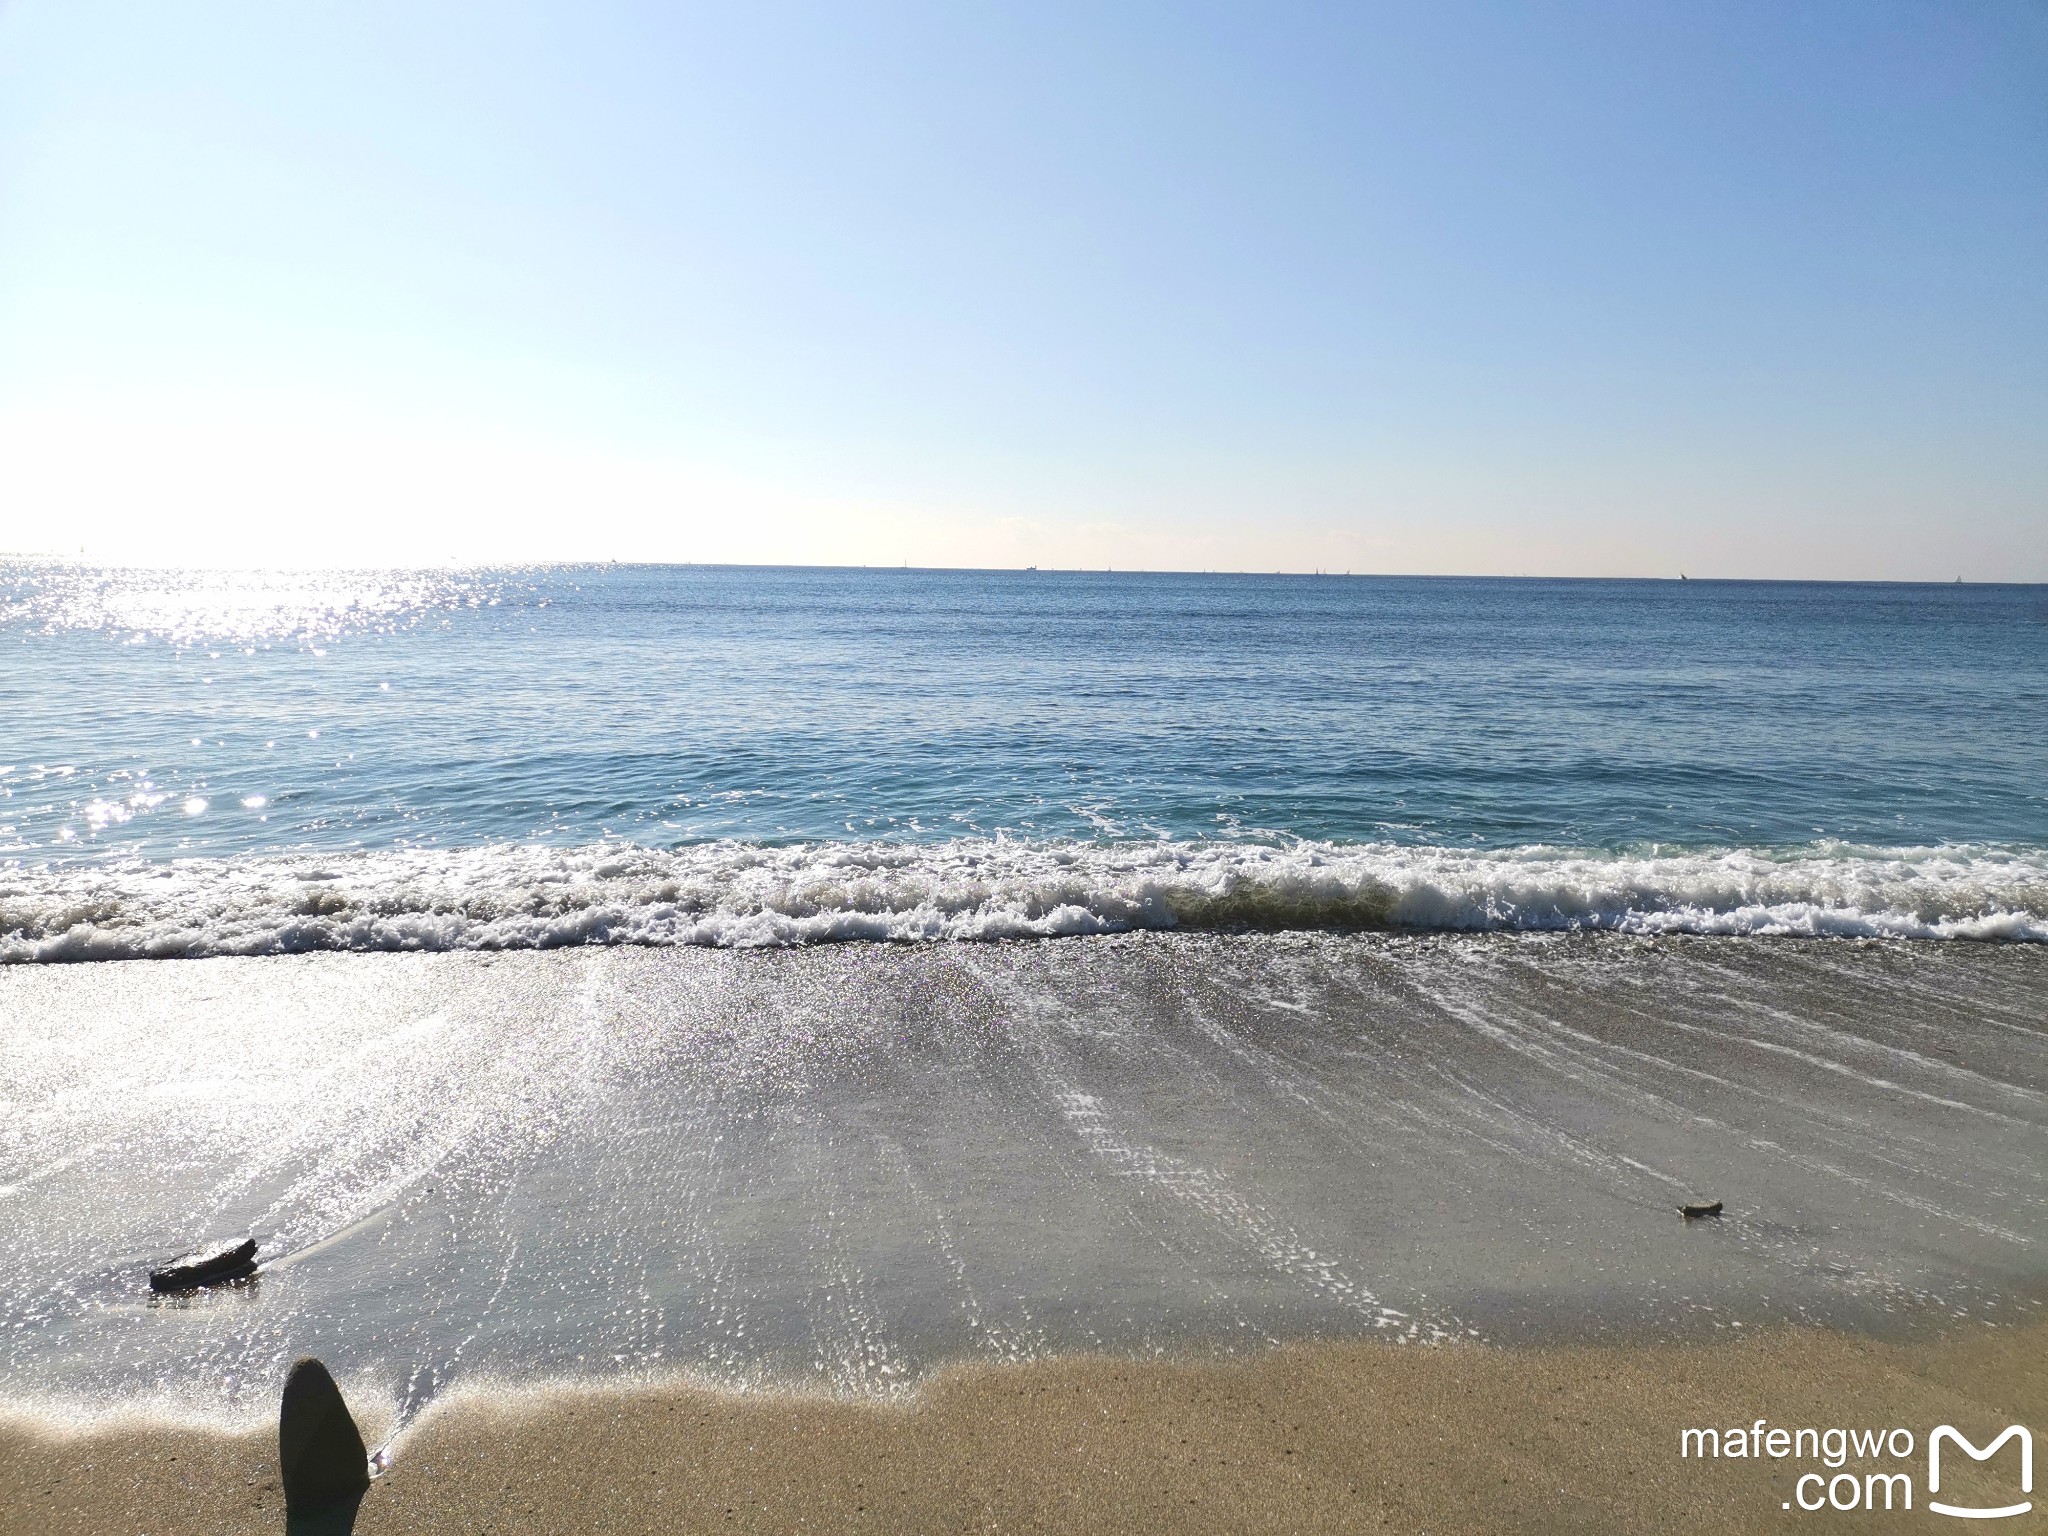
<point x="849" y="1167"/>
<point x="1356" y="1436"/>
<point x="1087" y="1235"/>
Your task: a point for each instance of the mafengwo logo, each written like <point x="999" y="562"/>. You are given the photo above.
<point x="1840" y="1488"/>
<point x="1954" y="1437"/>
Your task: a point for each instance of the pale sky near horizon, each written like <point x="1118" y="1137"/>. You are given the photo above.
<point x="1733" y="288"/>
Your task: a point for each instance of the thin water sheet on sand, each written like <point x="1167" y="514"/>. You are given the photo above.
<point x="842" y="1168"/>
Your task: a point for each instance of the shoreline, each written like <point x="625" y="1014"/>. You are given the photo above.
<point x="1000" y="1203"/>
<point x="855" y="1166"/>
<point x="1331" y="1436"/>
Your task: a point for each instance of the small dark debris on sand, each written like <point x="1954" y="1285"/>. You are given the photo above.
<point x="236" y="1263"/>
<point x="1698" y="1208"/>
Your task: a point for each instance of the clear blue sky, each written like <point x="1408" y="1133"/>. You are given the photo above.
<point x="1734" y="287"/>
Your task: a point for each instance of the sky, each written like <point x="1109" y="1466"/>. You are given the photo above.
<point x="1732" y="288"/>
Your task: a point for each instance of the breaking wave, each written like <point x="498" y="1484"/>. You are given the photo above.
<point x="733" y="894"/>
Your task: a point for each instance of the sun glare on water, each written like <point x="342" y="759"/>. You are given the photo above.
<point x="233" y="608"/>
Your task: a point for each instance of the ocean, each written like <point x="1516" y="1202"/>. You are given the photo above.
<point x="811" y="980"/>
<point x="220" y="763"/>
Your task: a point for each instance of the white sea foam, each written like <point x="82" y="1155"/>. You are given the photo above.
<point x="742" y="895"/>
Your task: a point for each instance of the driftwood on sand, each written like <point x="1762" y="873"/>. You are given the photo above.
<point x="234" y="1263"/>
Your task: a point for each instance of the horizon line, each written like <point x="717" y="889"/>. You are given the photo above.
<point x="585" y="563"/>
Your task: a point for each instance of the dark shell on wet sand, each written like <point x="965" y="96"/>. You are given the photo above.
<point x="234" y="1263"/>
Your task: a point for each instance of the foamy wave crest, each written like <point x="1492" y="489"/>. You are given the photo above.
<point x="741" y="894"/>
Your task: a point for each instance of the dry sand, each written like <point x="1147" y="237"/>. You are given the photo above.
<point x="1320" y="1437"/>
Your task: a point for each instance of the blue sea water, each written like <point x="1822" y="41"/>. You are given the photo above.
<point x="238" y="762"/>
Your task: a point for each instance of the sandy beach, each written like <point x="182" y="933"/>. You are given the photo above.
<point x="1331" y="1437"/>
<point x="1286" y="1232"/>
